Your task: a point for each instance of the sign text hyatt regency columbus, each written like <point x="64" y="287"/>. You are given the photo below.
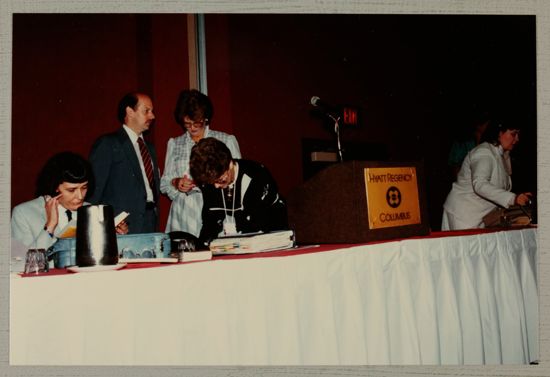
<point x="392" y="197"/>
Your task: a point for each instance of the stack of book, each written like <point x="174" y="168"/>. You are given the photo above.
<point x="253" y="242"/>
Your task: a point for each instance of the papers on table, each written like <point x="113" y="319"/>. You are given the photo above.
<point x="253" y="243"/>
<point x="190" y="256"/>
<point x="148" y="260"/>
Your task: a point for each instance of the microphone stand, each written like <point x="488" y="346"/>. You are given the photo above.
<point x="337" y="131"/>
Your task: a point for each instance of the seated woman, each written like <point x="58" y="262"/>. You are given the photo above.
<point x="484" y="180"/>
<point x="193" y="113"/>
<point x="61" y="188"/>
<point x="240" y="196"/>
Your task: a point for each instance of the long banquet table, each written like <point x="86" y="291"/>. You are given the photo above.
<point x="451" y="298"/>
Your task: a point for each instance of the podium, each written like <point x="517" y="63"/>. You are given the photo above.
<point x="360" y="201"/>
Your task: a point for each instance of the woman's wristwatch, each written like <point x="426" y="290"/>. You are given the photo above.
<point x="47" y="231"/>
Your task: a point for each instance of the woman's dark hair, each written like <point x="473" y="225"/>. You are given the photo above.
<point x="495" y="127"/>
<point x="193" y="104"/>
<point x="129" y="100"/>
<point x="63" y="167"/>
<point x="209" y="159"/>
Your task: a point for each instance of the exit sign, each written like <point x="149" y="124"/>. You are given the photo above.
<point x="350" y="116"/>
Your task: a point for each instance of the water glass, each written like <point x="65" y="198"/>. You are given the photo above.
<point x="183" y="245"/>
<point x="36" y="261"/>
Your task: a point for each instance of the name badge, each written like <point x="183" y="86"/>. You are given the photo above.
<point x="229" y="226"/>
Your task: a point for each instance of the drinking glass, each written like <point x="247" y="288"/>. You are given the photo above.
<point x="183" y="245"/>
<point x="36" y="261"/>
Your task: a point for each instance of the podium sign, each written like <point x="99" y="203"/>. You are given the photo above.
<point x="392" y="197"/>
<point x="360" y="201"/>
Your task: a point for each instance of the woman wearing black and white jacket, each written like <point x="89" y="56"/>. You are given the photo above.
<point x="240" y="196"/>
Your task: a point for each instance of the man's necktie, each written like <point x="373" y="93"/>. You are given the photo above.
<point x="69" y="215"/>
<point x="147" y="163"/>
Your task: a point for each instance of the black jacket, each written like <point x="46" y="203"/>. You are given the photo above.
<point x="119" y="180"/>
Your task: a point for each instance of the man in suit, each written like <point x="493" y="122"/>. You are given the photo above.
<point x="126" y="173"/>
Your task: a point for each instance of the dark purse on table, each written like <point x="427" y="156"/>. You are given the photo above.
<point x="515" y="215"/>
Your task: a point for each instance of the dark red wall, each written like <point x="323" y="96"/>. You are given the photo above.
<point x="415" y="79"/>
<point x="70" y="71"/>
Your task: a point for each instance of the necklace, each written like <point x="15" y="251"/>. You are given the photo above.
<point x="230" y="190"/>
<point x="229" y="225"/>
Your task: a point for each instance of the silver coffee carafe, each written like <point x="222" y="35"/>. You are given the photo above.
<point x="96" y="242"/>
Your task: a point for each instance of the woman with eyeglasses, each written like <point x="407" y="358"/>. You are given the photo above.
<point x="193" y="113"/>
<point x="240" y="196"/>
<point x="62" y="186"/>
<point x="484" y="180"/>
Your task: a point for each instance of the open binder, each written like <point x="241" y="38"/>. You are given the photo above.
<point x="253" y="242"/>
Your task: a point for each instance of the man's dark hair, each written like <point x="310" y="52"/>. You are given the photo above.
<point x="63" y="167"/>
<point x="129" y="100"/>
<point x="209" y="160"/>
<point x="194" y="104"/>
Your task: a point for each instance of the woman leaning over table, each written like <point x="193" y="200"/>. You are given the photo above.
<point x="484" y="180"/>
<point x="240" y="196"/>
<point x="193" y="113"/>
<point x="62" y="186"/>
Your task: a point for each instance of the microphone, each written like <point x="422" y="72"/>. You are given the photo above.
<point x="323" y="106"/>
<point x="315" y="100"/>
<point x="332" y="113"/>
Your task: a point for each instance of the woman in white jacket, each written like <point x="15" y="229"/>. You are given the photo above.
<point x="62" y="186"/>
<point x="484" y="180"/>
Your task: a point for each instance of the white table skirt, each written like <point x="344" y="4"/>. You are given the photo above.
<point x="450" y="300"/>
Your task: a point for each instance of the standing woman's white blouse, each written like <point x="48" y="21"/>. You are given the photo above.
<point x="185" y="210"/>
<point x="483" y="183"/>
